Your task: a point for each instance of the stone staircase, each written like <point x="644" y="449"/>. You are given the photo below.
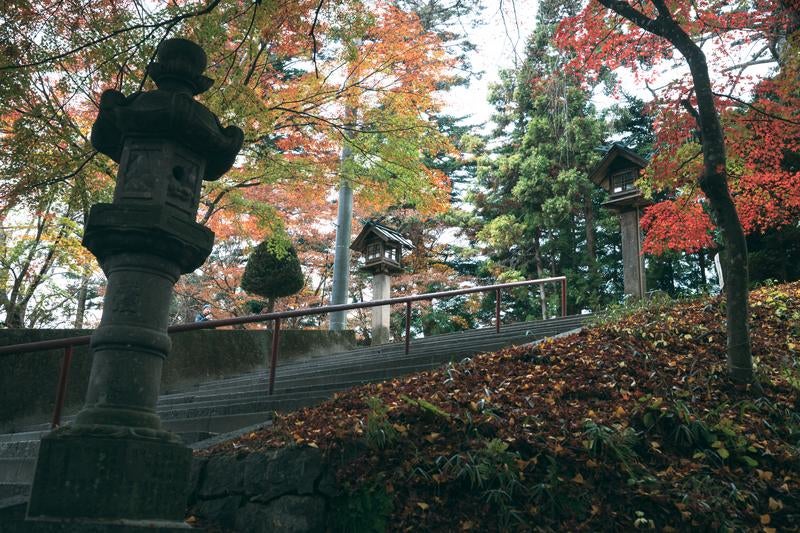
<point x="231" y="404"/>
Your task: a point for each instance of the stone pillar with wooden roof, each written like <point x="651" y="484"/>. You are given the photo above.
<point x="382" y="248"/>
<point x="617" y="173"/>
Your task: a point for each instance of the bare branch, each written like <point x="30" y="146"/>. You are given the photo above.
<point x="757" y="109"/>
<point x="314" y="37"/>
<point x="169" y="22"/>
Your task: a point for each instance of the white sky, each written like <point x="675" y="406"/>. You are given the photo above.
<point x="501" y="38"/>
<point x="498" y="41"/>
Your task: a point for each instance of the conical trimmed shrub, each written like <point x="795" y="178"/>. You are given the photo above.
<point x="270" y="276"/>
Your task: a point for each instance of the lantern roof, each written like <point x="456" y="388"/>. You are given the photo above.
<point x="617" y="157"/>
<point x="386" y="234"/>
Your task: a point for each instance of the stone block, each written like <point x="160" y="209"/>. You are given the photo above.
<point x="222" y="510"/>
<point x="84" y="476"/>
<point x="196" y="477"/>
<point x="291" y="470"/>
<point x="288" y="514"/>
<point x="224" y="476"/>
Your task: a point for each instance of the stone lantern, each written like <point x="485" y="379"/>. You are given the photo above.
<point x="617" y="173"/>
<point x="116" y="464"/>
<point x="382" y="248"/>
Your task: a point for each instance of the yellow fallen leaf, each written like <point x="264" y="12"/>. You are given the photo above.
<point x="578" y="478"/>
<point x="422" y="505"/>
<point x="765" y="519"/>
<point x="432" y="437"/>
<point x="775" y="505"/>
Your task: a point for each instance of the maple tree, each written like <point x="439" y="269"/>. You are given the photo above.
<point x="283" y="72"/>
<point x="609" y="34"/>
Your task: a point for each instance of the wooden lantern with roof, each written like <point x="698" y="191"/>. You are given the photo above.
<point x="382" y="248"/>
<point x="617" y="173"/>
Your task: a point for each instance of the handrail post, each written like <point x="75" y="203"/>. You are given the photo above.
<point x="276" y="333"/>
<point x="497" y="310"/>
<point x="61" y="390"/>
<point x="564" y="297"/>
<point x="408" y="327"/>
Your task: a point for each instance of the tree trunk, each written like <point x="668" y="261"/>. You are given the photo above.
<point x="15" y="316"/>
<point x="83" y="291"/>
<point x="713" y="181"/>
<point x="701" y="261"/>
<point x="588" y="210"/>
<point x="540" y="274"/>
<point x="714" y="184"/>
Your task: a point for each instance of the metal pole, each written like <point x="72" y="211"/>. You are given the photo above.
<point x="564" y="297"/>
<point x="62" y="386"/>
<point x="408" y="326"/>
<point x="344" y="222"/>
<point x="276" y="333"/>
<point x="497" y="310"/>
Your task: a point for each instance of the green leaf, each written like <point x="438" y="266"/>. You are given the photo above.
<point x="749" y="460"/>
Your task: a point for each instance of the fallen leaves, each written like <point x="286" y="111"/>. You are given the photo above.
<point x="674" y="444"/>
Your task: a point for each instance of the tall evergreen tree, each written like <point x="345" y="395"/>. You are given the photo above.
<point x="538" y="208"/>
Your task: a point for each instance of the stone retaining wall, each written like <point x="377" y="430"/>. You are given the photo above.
<point x="277" y="491"/>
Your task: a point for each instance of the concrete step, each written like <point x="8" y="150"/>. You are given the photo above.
<point x="8" y="490"/>
<point x="284" y="382"/>
<point x="322" y="389"/>
<point x="253" y="386"/>
<point x="336" y="365"/>
<point x="398" y="348"/>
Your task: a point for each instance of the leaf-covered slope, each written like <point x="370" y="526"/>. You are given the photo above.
<point x="623" y="425"/>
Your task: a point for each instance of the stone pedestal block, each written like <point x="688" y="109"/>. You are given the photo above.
<point x="98" y="474"/>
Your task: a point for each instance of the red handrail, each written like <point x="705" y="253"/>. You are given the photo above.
<point x="70" y="342"/>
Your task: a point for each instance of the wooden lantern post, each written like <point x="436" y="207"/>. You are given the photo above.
<point x="382" y="248"/>
<point x="617" y="173"/>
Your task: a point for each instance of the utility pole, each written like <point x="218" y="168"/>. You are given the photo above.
<point x="344" y="219"/>
<point x="344" y="222"/>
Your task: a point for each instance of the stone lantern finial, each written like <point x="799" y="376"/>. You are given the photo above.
<point x="180" y="62"/>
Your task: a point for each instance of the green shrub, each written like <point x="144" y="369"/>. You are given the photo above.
<point x="272" y="273"/>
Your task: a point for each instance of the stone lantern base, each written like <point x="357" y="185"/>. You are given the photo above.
<point x="91" y="475"/>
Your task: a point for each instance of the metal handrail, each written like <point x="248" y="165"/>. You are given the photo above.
<point x="70" y="342"/>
